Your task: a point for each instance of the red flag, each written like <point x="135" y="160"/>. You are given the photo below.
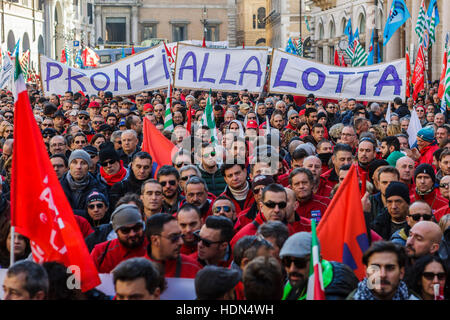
<point x="39" y="208"/>
<point x="189" y="121"/>
<point x="243" y="44"/>
<point x="204" y="42"/>
<point x="343" y="64"/>
<point x="132" y="50"/>
<point x="408" y="74"/>
<point x="63" y="56"/>
<point x="157" y="145"/>
<point x="342" y="230"/>
<point x="90" y="57"/>
<point x="441" y="89"/>
<point x="418" y="78"/>
<point x="336" y="59"/>
<point x="169" y="54"/>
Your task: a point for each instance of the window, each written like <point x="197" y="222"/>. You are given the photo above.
<point x="105" y="59"/>
<point x="116" y="30"/>
<point x="332" y="30"/>
<point x="212" y="33"/>
<point x="148" y="31"/>
<point x="89" y="13"/>
<point x="75" y="8"/>
<point x="254" y="21"/>
<point x="320" y="31"/>
<point x="179" y="32"/>
<point x="362" y="25"/>
<point x="41" y="4"/>
<point x="261" y="16"/>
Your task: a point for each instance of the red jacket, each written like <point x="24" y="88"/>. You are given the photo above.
<point x="433" y="199"/>
<point x="438" y="214"/>
<point x="426" y="155"/>
<point x="283" y="179"/>
<point x="331" y="178"/>
<point x="248" y="201"/>
<point x="187" y="266"/>
<point x="188" y="250"/>
<point x="324" y="189"/>
<point x="245" y="217"/>
<point x="84" y="225"/>
<point x="313" y="208"/>
<point x="112" y="253"/>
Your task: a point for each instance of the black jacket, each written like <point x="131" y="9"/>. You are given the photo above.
<point x="98" y="236"/>
<point x="444" y="248"/>
<point x="344" y="281"/>
<point x="78" y="204"/>
<point x="382" y="225"/>
<point x="128" y="185"/>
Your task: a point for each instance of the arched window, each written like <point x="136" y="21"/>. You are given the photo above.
<point x="25" y="42"/>
<point x="344" y="25"/>
<point x="332" y="29"/>
<point x="260" y="41"/>
<point x="11" y="41"/>
<point x="362" y="24"/>
<point x="261" y="16"/>
<point x="321" y="31"/>
<point x="41" y="45"/>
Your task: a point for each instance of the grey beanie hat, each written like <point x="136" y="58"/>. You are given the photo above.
<point x="298" y="245"/>
<point x="80" y="154"/>
<point x="125" y="215"/>
<point x="291" y="113"/>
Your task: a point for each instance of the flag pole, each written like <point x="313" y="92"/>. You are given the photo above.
<point x="11" y="251"/>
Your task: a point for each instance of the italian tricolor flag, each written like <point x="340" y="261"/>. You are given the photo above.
<point x="19" y="89"/>
<point x="315" y="281"/>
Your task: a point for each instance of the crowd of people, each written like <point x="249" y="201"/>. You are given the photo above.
<point x="235" y="214"/>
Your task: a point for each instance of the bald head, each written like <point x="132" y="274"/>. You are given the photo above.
<point x="405" y="166"/>
<point x="418" y="208"/>
<point x="314" y="164"/>
<point x="424" y="238"/>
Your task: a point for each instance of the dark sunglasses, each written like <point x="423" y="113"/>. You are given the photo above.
<point x="98" y="122"/>
<point x="83" y="117"/>
<point x="430" y="275"/>
<point x="173" y="238"/>
<point x="299" y="263"/>
<point x="272" y="205"/>
<point x="186" y="178"/>
<point x="294" y="117"/>
<point x="105" y="163"/>
<point x="256" y="191"/>
<point x="444" y="185"/>
<point x="46" y="135"/>
<point x="224" y="208"/>
<point x="171" y="182"/>
<point x="98" y="205"/>
<point x="416" y="217"/>
<point x="206" y="242"/>
<point x="93" y="155"/>
<point x="136" y="228"/>
<point x="179" y="165"/>
<point x="212" y="154"/>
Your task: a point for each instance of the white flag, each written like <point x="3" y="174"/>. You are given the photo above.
<point x="388" y="114"/>
<point x="413" y="128"/>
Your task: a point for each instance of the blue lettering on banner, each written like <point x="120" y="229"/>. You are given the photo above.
<point x="340" y="79"/>
<point x="316" y="215"/>
<point x="257" y="72"/>
<point x="94" y="85"/>
<point x="363" y="90"/>
<point x="320" y="81"/>
<point x="144" y="69"/>
<point x="75" y="78"/>
<point x="48" y="78"/>
<point x="126" y="77"/>
<point x="202" y="70"/>
<point x="225" y="70"/>
<point x="281" y="83"/>
<point x="184" y="66"/>
<point x="396" y="82"/>
<point x="166" y="68"/>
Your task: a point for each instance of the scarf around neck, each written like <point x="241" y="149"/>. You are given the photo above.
<point x="240" y="194"/>
<point x="114" y="178"/>
<point x="364" y="293"/>
<point x="77" y="185"/>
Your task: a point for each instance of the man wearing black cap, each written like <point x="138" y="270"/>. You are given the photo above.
<point x="216" y="283"/>
<point x="83" y="122"/>
<point x="97" y="209"/>
<point x="130" y="242"/>
<point x="112" y="169"/>
<point x="397" y="202"/>
<point x="425" y="180"/>
<point x="94" y="167"/>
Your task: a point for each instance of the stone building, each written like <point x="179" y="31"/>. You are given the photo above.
<point x="251" y="25"/>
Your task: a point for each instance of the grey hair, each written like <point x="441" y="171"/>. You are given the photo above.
<point x="115" y="135"/>
<point x="190" y="167"/>
<point x="130" y="131"/>
<point x="374" y="107"/>
<point x="196" y="180"/>
<point x="275" y="229"/>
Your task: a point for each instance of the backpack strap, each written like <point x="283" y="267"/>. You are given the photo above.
<point x="178" y="267"/>
<point x="104" y="254"/>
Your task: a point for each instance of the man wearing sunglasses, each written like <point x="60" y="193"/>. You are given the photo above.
<point x="187" y="171"/>
<point x="112" y="169"/>
<point x="213" y="240"/>
<point x="165" y="240"/>
<point x="295" y="257"/>
<point x="224" y="207"/>
<point x="83" y="119"/>
<point x="97" y="209"/>
<point x="311" y="206"/>
<point x="210" y="170"/>
<point x="127" y="222"/>
<point x="168" y="177"/>
<point x="418" y="211"/>
<point x="293" y="120"/>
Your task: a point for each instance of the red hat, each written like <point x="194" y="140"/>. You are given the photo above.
<point x="252" y="124"/>
<point x="302" y="112"/>
<point x="148" y="107"/>
<point x="94" y="104"/>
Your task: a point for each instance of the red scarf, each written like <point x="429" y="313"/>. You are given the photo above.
<point x="114" y="178"/>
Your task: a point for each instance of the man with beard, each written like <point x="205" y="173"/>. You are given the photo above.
<point x="385" y="269"/>
<point x="165" y="240"/>
<point x="366" y="154"/>
<point x="130" y="242"/>
<point x="190" y="220"/>
<point x="169" y="178"/>
<point x="295" y="256"/>
<point x="389" y="145"/>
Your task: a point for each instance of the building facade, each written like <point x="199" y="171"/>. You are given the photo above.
<point x="135" y="22"/>
<point x="251" y="25"/>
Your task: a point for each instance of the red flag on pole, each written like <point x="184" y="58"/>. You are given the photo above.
<point x="343" y="64"/>
<point x="342" y="230"/>
<point x="157" y="145"/>
<point x="336" y="59"/>
<point x="132" y="50"/>
<point x="408" y="74"/>
<point x="63" y="56"/>
<point x="169" y="54"/>
<point x="441" y="89"/>
<point x="418" y="78"/>
<point x="39" y="208"/>
<point x="204" y="42"/>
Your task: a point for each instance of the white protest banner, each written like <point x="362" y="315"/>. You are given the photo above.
<point x="6" y="75"/>
<point x="146" y="70"/>
<point x="220" y="69"/>
<point x="291" y="74"/>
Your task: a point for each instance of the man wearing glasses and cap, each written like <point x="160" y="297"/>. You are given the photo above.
<point x="210" y="170"/>
<point x="127" y="222"/>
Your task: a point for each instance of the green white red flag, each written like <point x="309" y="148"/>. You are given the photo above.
<point x="208" y="119"/>
<point x="315" y="280"/>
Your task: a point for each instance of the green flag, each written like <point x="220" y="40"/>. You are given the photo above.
<point x="208" y="119"/>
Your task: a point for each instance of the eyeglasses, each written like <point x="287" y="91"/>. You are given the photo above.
<point x="83" y="118"/>
<point x="206" y="242"/>
<point x="180" y="164"/>
<point x="98" y="122"/>
<point x="186" y="178"/>
<point x="444" y="185"/>
<point x="57" y="145"/>
<point x="80" y="141"/>
<point x="46" y="135"/>
<point x="299" y="263"/>
<point x="108" y="162"/>
<point x="212" y="154"/>
<point x="94" y="205"/>
<point x="171" y="182"/>
<point x="272" y="205"/>
<point x="93" y="155"/>
<point x="173" y="238"/>
<point x="139" y="100"/>
<point x="136" y="228"/>
<point x="417" y="216"/>
<point x="224" y="208"/>
<point x="256" y="191"/>
<point x="294" y="117"/>
<point x="430" y="275"/>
